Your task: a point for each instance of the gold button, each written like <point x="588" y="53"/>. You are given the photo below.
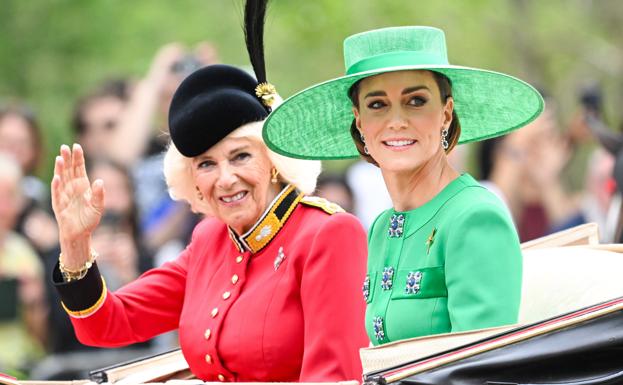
<point x="226" y="295"/>
<point x="221" y="377"/>
<point x="214" y="312"/>
<point x="234" y="279"/>
<point x="239" y="259"/>
<point x="207" y="334"/>
<point x="208" y="358"/>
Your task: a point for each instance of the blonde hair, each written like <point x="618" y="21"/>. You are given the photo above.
<point x="178" y="170"/>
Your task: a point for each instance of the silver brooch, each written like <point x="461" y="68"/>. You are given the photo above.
<point x="264" y="232"/>
<point x="379" y="330"/>
<point x="396" y="224"/>
<point x="366" y="288"/>
<point x="280" y="257"/>
<point x="413" y="282"/>
<point x="387" y="278"/>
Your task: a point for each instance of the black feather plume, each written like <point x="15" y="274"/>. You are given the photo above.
<point x="254" y="17"/>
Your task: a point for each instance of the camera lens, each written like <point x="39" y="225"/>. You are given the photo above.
<point x="187" y="65"/>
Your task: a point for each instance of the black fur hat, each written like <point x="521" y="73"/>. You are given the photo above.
<point x="216" y="100"/>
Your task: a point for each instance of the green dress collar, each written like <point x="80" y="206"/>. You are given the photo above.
<point x="405" y="223"/>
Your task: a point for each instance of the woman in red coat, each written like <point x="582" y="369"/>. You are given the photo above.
<point x="268" y="288"/>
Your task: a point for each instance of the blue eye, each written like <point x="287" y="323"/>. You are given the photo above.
<point x="376" y="104"/>
<point x="205" y="164"/>
<point x="417" y="101"/>
<point x="241" y="157"/>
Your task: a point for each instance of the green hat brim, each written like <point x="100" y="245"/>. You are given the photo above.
<point x="315" y="123"/>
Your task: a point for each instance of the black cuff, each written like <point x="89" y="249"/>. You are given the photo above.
<point x="81" y="295"/>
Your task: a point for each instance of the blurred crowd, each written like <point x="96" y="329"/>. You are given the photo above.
<point x="121" y="124"/>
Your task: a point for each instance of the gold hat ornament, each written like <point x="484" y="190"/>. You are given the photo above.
<point x="267" y="93"/>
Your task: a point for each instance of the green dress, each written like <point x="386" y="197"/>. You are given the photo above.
<point x="451" y="265"/>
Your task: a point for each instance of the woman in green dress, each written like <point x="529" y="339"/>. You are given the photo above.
<point x="446" y="257"/>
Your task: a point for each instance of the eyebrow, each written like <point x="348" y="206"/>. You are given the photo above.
<point x="413" y="89"/>
<point x="201" y="158"/>
<point x="238" y="149"/>
<point x="375" y="93"/>
<point x="404" y="92"/>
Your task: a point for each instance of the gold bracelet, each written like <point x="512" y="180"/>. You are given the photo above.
<point x="74" y="275"/>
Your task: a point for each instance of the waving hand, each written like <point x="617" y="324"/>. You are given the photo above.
<point x="78" y="205"/>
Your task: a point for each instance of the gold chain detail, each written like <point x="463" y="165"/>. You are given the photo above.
<point x="74" y="275"/>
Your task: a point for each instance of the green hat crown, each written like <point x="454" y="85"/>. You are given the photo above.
<point x="315" y="123"/>
<point x="395" y="46"/>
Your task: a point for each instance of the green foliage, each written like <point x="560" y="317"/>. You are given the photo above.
<point x="53" y="51"/>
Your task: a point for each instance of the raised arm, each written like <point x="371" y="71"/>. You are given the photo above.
<point x="142" y="309"/>
<point x="136" y="125"/>
<point x="78" y="206"/>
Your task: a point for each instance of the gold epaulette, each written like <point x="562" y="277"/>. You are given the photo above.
<point x="323" y="204"/>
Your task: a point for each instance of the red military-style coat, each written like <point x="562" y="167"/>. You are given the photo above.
<point x="280" y="303"/>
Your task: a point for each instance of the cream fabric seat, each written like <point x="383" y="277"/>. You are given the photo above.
<point x="558" y="280"/>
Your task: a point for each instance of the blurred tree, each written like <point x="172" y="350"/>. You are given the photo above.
<point x="53" y="51"/>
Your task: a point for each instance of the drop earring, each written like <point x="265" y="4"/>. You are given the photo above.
<point x="274" y="174"/>
<point x="365" y="148"/>
<point x="199" y="194"/>
<point x="444" y="139"/>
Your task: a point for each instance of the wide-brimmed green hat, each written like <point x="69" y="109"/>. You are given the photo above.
<point x="315" y="123"/>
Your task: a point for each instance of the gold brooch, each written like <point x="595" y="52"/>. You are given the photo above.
<point x="430" y="240"/>
<point x="266" y="92"/>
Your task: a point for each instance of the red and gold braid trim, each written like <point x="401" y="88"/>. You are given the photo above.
<point x="268" y="227"/>
<point x="269" y="224"/>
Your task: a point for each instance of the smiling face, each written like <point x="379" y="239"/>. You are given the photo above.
<point x="401" y="116"/>
<point x="234" y="178"/>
